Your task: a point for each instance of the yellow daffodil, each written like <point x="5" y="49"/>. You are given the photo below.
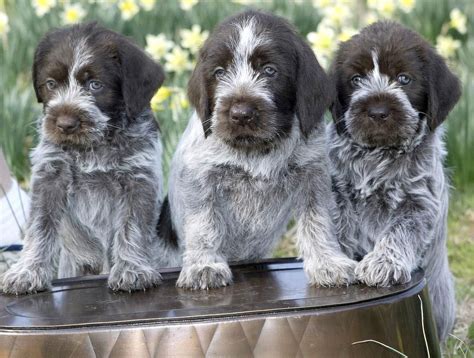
<point x="406" y="5"/>
<point x="370" y="18"/>
<point x="243" y="2"/>
<point x="322" y="4"/>
<point x="323" y="42"/>
<point x="386" y="8"/>
<point x="158" y="46"/>
<point x="128" y="9"/>
<point x="458" y="21"/>
<point x="346" y="33"/>
<point x="179" y="101"/>
<point x="4" y="27"/>
<point x="42" y="7"/>
<point x="73" y="13"/>
<point x="160" y="96"/>
<point x="447" y="46"/>
<point x="337" y="14"/>
<point x="147" y="5"/>
<point x="177" y="61"/>
<point x="194" y="38"/>
<point x="187" y="5"/>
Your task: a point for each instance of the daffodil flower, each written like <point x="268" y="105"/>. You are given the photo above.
<point x="406" y="5"/>
<point x="447" y="46"/>
<point x="458" y="21"/>
<point x="193" y="39"/>
<point x="187" y="5"/>
<point x="158" y="46"/>
<point x="73" y="14"/>
<point x="128" y="9"/>
<point x="4" y="27"/>
<point x="42" y="7"/>
<point x="177" y="61"/>
<point x="147" y="5"/>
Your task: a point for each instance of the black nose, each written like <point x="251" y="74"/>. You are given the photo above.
<point x="242" y="113"/>
<point x="67" y="123"/>
<point x="378" y="111"/>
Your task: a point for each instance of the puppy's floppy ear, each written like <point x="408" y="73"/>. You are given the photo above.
<point x="337" y="108"/>
<point x="444" y="90"/>
<point x="313" y="89"/>
<point x="40" y="53"/>
<point x="198" y="96"/>
<point x="141" y="77"/>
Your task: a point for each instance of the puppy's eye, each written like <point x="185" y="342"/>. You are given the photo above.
<point x="403" y="79"/>
<point x="356" y="80"/>
<point x="95" y="86"/>
<point x="270" y="71"/>
<point x="51" y="85"/>
<point x="219" y="73"/>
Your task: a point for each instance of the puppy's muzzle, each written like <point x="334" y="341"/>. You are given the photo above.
<point x="242" y="113"/>
<point x="67" y="124"/>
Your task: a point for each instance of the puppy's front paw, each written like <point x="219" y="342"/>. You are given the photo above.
<point x="376" y="269"/>
<point x="204" y="277"/>
<point x="126" y="277"/>
<point x="333" y="271"/>
<point x="19" y="280"/>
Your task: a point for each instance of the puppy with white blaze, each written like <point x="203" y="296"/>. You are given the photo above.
<point x="253" y="155"/>
<point x="97" y="180"/>
<point x="386" y="149"/>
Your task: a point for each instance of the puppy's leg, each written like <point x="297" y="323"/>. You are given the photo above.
<point x="324" y="262"/>
<point x="34" y="270"/>
<point x="81" y="253"/>
<point x="398" y="252"/>
<point x="203" y="266"/>
<point x="132" y="245"/>
<point x="443" y="301"/>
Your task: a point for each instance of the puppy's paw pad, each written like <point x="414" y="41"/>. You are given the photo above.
<point x="203" y="277"/>
<point x="378" y="270"/>
<point x="19" y="281"/>
<point x="337" y="271"/>
<point x="127" y="278"/>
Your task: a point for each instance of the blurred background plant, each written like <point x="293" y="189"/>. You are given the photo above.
<point x="172" y="33"/>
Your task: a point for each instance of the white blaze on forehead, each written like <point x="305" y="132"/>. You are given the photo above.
<point x="81" y="58"/>
<point x="241" y="78"/>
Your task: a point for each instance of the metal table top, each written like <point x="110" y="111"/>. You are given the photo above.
<point x="259" y="288"/>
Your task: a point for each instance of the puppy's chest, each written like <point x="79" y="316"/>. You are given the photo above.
<point x="253" y="196"/>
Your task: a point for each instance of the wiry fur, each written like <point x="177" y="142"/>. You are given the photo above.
<point x="234" y="201"/>
<point x="96" y="192"/>
<point x="388" y="176"/>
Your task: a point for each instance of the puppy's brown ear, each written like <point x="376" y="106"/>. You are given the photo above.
<point x="141" y="77"/>
<point x="313" y="89"/>
<point x="198" y="96"/>
<point x="337" y="104"/>
<point x="40" y="54"/>
<point x="444" y="90"/>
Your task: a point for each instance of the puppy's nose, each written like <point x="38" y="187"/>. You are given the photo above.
<point x="242" y="113"/>
<point x="67" y="124"/>
<point x="378" y="111"/>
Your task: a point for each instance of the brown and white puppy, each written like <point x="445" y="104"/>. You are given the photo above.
<point x="254" y="155"/>
<point x="387" y="151"/>
<point x="96" y="181"/>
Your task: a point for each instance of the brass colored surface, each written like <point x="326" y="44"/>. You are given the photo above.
<point x="269" y="311"/>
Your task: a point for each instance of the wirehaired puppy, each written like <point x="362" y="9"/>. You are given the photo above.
<point x="253" y="155"/>
<point x="97" y="180"/>
<point x="387" y="151"/>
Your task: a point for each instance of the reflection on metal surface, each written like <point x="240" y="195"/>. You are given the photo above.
<point x="269" y="311"/>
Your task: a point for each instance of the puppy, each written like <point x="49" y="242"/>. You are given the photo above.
<point x="253" y="155"/>
<point x="387" y="151"/>
<point x="97" y="180"/>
